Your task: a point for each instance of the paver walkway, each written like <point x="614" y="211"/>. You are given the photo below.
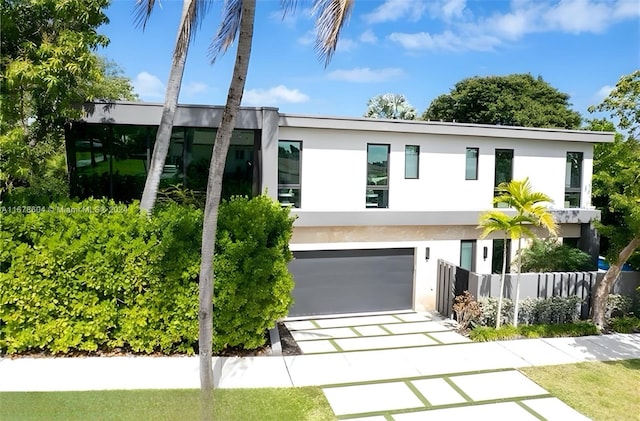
<point x="402" y="367"/>
<point x="416" y="367"/>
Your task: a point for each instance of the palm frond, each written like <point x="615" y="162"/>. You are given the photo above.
<point x="228" y="29"/>
<point x="288" y="6"/>
<point x="331" y="17"/>
<point x="142" y="12"/>
<point x="494" y="221"/>
<point x="193" y="14"/>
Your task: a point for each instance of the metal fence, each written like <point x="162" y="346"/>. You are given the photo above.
<point x="453" y="280"/>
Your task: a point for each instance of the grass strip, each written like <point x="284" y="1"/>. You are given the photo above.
<point x="600" y="390"/>
<point x="306" y="403"/>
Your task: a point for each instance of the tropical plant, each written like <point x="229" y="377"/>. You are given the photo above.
<point x="497" y="221"/>
<point x="530" y="211"/>
<point x="237" y="22"/>
<point x="550" y="256"/>
<point x="391" y="106"/>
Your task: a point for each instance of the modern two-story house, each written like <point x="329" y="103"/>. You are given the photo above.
<point x="378" y="202"/>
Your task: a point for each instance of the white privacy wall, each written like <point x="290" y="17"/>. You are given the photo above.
<point x="334" y="168"/>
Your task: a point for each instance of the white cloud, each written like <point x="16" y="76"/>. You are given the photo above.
<point x="273" y="96"/>
<point x="365" y="74"/>
<point x="346" y="45"/>
<point x="393" y="10"/>
<point x="604" y="92"/>
<point x="368" y="37"/>
<point x="523" y="17"/>
<point x="193" y="88"/>
<point x="148" y="86"/>
<point x="444" y="41"/>
<point x="452" y="8"/>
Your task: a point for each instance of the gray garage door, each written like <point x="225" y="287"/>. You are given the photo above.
<point x="351" y="281"/>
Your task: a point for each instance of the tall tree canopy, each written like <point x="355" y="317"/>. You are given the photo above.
<point x="616" y="185"/>
<point x="48" y="68"/>
<point x="392" y="106"/>
<point x="624" y="103"/>
<point x="513" y="100"/>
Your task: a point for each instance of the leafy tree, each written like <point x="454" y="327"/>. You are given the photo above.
<point x="624" y="103"/>
<point x="391" y="106"/>
<point x="48" y="68"/>
<point x="616" y="188"/>
<point x="513" y="100"/>
<point x="237" y="22"/>
<point x="530" y="211"/>
<point x="550" y="256"/>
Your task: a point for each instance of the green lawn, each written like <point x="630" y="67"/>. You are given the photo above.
<point x="601" y="391"/>
<point x="300" y="404"/>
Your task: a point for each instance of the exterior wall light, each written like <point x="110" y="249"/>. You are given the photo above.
<point x="485" y="252"/>
<point x="427" y="253"/>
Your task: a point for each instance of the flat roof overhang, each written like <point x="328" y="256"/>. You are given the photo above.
<point x="145" y="113"/>
<point x="386" y="217"/>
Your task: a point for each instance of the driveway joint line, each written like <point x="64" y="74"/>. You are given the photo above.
<point x="530" y="410"/>
<point x="457" y="389"/>
<point x="416" y="392"/>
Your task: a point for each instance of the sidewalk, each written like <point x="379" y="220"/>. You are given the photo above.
<point x="366" y="366"/>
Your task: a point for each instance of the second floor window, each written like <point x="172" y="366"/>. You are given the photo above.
<point x="471" y="166"/>
<point x="377" y="193"/>
<point x="503" y="169"/>
<point x="573" y="180"/>
<point x="411" y="161"/>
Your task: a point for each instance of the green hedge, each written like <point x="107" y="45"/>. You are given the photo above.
<point x="99" y="276"/>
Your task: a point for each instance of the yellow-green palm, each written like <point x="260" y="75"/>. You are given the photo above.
<point x="531" y="210"/>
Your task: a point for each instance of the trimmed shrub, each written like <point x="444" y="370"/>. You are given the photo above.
<point x="253" y="284"/>
<point x="489" y="308"/>
<point x="618" y="305"/>
<point x="532" y="310"/>
<point x="94" y="275"/>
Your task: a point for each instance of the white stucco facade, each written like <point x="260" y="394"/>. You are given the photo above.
<point x="434" y="212"/>
<point x="334" y="174"/>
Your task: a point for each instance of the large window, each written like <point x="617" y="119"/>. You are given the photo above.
<point x="503" y="169"/>
<point x="289" y="172"/>
<point x="377" y="195"/>
<point x="471" y="166"/>
<point x="411" y="161"/>
<point x="573" y="177"/>
<point x="468" y="255"/>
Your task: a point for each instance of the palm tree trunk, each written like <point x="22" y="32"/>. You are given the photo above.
<point x="604" y="286"/>
<point x="163" y="135"/>
<point x="516" y="304"/>
<point x="214" y="191"/>
<point x="504" y="271"/>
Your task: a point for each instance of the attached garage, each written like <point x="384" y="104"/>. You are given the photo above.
<point x="352" y="281"/>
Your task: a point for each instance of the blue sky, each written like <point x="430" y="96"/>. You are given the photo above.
<point x="418" y="48"/>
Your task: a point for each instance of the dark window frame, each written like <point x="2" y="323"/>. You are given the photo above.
<point x="417" y="158"/>
<point x="466" y="163"/>
<point x="496" y="182"/>
<point x="370" y="194"/>
<point x="571" y="191"/>
<point x="285" y="196"/>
